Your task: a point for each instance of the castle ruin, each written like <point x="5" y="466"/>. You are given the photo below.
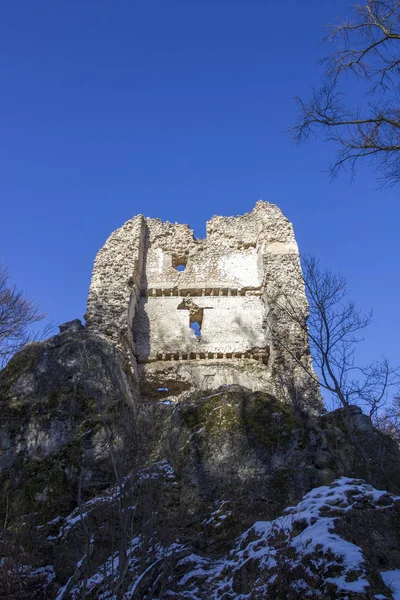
<point x="195" y="313"/>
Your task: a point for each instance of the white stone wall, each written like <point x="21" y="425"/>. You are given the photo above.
<point x="115" y="285"/>
<point x="203" y="374"/>
<point x="235" y="275"/>
<point x="204" y="267"/>
<point x="230" y="325"/>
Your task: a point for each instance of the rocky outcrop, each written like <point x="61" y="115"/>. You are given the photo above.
<point x="62" y="401"/>
<point x="88" y="468"/>
<point x="340" y="541"/>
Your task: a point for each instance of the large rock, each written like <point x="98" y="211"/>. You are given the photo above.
<point x="88" y="466"/>
<point x="63" y="403"/>
<point x="263" y="455"/>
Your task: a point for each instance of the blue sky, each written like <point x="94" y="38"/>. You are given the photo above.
<point x="174" y="110"/>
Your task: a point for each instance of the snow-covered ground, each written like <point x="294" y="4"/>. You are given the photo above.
<point x="392" y="580"/>
<point x="299" y="548"/>
<point x="301" y="551"/>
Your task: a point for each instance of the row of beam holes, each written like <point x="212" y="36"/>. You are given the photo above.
<point x="183" y="292"/>
<point x="195" y="325"/>
<point x="203" y="355"/>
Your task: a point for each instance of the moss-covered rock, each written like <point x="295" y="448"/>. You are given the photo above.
<point x="19" y="365"/>
<point x="247" y="445"/>
<point x="64" y="403"/>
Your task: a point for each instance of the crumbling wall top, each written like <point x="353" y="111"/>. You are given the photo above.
<point x="265" y="223"/>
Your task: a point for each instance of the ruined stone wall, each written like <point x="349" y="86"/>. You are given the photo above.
<point x="115" y="286"/>
<point x="229" y="324"/>
<point x="199" y="312"/>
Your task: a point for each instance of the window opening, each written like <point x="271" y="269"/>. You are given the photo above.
<point x="195" y="314"/>
<point x="196" y="328"/>
<point x="179" y="262"/>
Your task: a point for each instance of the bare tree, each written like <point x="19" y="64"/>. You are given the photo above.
<point x="334" y="326"/>
<point x="17" y="314"/>
<point x="388" y="420"/>
<point x="367" y="47"/>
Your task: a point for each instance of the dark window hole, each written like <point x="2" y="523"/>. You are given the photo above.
<point x="179" y="262"/>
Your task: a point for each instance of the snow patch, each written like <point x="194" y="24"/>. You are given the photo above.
<point x="392" y="580"/>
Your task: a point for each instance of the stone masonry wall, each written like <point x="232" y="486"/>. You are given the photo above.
<point x="191" y="310"/>
<point x="230" y="324"/>
<point x="115" y="285"/>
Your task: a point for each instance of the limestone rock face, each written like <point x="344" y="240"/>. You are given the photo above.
<point x="88" y="465"/>
<point x="60" y="400"/>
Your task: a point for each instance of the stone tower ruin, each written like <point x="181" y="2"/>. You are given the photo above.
<point x="194" y="313"/>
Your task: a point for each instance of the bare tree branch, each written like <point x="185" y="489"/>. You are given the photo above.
<point x="334" y="326"/>
<point x="17" y="314"/>
<point x="368" y="48"/>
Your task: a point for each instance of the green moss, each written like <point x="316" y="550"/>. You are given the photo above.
<point x="43" y="477"/>
<point x="268" y="421"/>
<point x="58" y="396"/>
<point x="251" y="415"/>
<point x="39" y="487"/>
<point x="215" y="414"/>
<point x="19" y="365"/>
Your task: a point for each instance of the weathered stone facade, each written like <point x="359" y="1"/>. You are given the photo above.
<point x="195" y="313"/>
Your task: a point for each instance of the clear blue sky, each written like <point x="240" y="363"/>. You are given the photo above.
<point x="176" y="110"/>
